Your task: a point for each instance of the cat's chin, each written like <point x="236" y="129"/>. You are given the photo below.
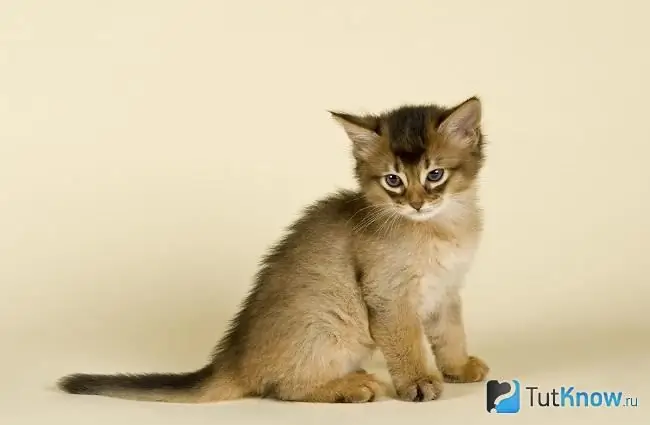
<point x="422" y="215"/>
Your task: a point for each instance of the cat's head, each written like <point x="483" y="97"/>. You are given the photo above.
<point x="417" y="160"/>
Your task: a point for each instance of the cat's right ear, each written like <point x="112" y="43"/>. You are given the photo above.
<point x="362" y="131"/>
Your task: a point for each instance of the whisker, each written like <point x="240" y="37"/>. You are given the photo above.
<point x="381" y="228"/>
<point x="386" y="224"/>
<point x="395" y="222"/>
<point x="391" y="222"/>
<point x="367" y="221"/>
<point x="374" y="207"/>
<point x="372" y="218"/>
<point x="360" y="210"/>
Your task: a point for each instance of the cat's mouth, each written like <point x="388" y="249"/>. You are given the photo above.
<point x="423" y="214"/>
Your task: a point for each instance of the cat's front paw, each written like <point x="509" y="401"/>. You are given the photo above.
<point x="474" y="370"/>
<point x="425" y="388"/>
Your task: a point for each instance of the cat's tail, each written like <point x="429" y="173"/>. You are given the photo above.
<point x="175" y="388"/>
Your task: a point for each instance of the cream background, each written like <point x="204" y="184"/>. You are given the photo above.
<point x="150" y="151"/>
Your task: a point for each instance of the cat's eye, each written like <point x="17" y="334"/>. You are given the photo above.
<point x="436" y="175"/>
<point x="393" y="180"/>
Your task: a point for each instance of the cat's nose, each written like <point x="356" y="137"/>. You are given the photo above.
<point x="416" y="204"/>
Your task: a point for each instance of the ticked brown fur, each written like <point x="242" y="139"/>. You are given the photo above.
<point x="380" y="267"/>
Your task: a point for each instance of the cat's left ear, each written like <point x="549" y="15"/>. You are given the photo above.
<point x="463" y="125"/>
<point x="361" y="130"/>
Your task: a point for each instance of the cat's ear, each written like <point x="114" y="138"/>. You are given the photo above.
<point x="463" y="125"/>
<point x="361" y="130"/>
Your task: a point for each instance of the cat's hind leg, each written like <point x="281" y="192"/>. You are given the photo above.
<point x="355" y="387"/>
<point x="327" y="371"/>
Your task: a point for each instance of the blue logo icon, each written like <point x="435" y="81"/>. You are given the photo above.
<point x="502" y="397"/>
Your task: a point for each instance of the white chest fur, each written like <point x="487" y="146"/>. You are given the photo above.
<point x="443" y="273"/>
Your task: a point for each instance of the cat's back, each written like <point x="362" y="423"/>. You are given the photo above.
<point x="318" y="241"/>
<point x="323" y="223"/>
<point x="336" y="209"/>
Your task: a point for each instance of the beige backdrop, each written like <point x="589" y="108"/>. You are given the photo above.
<point x="150" y="151"/>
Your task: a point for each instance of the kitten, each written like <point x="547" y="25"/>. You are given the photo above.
<point x="377" y="268"/>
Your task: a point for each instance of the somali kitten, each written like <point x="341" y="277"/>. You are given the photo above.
<point x="379" y="267"/>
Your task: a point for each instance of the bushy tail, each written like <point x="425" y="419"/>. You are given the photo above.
<point x="176" y="388"/>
